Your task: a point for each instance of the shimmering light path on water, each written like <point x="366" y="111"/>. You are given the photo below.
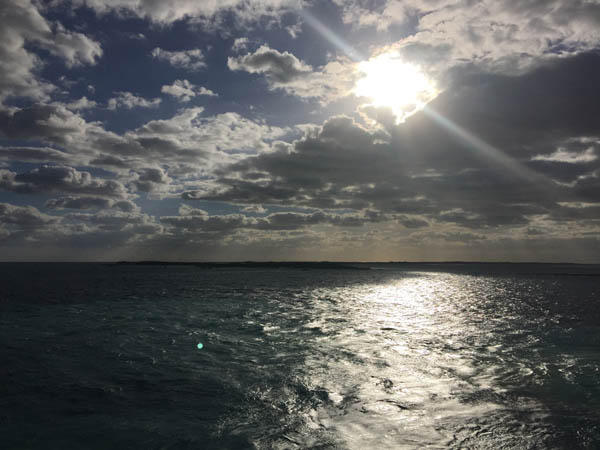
<point x="402" y="357"/>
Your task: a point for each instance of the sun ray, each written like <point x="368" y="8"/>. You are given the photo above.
<point x="328" y="34"/>
<point x="489" y="152"/>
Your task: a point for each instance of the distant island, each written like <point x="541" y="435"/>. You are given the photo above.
<point x="303" y="265"/>
<point x="567" y="268"/>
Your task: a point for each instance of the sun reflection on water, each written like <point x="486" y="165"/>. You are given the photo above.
<point x="406" y="362"/>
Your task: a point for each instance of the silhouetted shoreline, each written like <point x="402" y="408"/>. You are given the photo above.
<point x="565" y="269"/>
<point x="253" y="264"/>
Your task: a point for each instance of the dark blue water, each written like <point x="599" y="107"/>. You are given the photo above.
<point x="406" y="356"/>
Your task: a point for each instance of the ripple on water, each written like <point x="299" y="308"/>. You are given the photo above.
<point x="319" y="359"/>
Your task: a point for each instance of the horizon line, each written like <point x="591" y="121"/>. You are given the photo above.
<point x="174" y="262"/>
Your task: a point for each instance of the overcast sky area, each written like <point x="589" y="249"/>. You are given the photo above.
<point x="417" y="130"/>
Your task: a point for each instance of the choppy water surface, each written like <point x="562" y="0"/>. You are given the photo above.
<point x="97" y="356"/>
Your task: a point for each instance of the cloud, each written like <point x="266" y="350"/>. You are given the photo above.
<point x="23" y="27"/>
<point x="415" y="175"/>
<point x="86" y="202"/>
<point x="74" y="48"/>
<point x="185" y="91"/>
<point x="240" y="44"/>
<point x="78" y="203"/>
<point x="52" y="123"/>
<point x="502" y="36"/>
<point x="340" y="155"/>
<point x="294" y="30"/>
<point x="204" y="91"/>
<point x="33" y="154"/>
<point x="24" y="217"/>
<point x="189" y="137"/>
<point x="259" y="209"/>
<point x="152" y="180"/>
<point x="285" y="71"/>
<point x="126" y="206"/>
<point x="204" y="12"/>
<point x="129" y="101"/>
<point x="184" y="59"/>
<point x="118" y="221"/>
<point x="185" y="143"/>
<point x="487" y="174"/>
<point x="278" y="67"/>
<point x="197" y="220"/>
<point x="47" y="179"/>
<point x="564" y="156"/>
<point x="82" y="103"/>
<point x="504" y="158"/>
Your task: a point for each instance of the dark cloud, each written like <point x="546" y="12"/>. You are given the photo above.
<point x="197" y="220"/>
<point x="151" y="179"/>
<point x="412" y="222"/>
<point x="285" y="71"/>
<point x="48" y="179"/>
<point x="50" y="123"/>
<point x="34" y="154"/>
<point x="109" y="161"/>
<point x="547" y="105"/>
<point x="23" y="26"/>
<point x="279" y="67"/>
<point x="505" y="155"/>
<point x="118" y="221"/>
<point x="24" y="217"/>
<point x="475" y="167"/>
<point x="78" y="203"/>
<point x="83" y="202"/>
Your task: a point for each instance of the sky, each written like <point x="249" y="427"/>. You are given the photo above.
<point x="348" y="130"/>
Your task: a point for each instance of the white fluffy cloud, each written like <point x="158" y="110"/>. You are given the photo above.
<point x="24" y="28"/>
<point x="285" y="71"/>
<point x="128" y="100"/>
<point x="184" y="59"/>
<point x="66" y="179"/>
<point x="498" y="35"/>
<point x="187" y="142"/>
<point x="562" y="155"/>
<point x="80" y="104"/>
<point x="189" y="137"/>
<point x="240" y="44"/>
<point x="168" y="11"/>
<point x="185" y="91"/>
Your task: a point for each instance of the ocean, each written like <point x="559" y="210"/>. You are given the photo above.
<point x="378" y="356"/>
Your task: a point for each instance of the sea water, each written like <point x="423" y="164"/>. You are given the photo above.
<point x="399" y="356"/>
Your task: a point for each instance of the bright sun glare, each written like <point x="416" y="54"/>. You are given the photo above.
<point x="390" y="82"/>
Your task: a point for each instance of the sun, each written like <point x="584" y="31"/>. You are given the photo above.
<point x="389" y="81"/>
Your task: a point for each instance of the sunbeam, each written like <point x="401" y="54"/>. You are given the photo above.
<point x="328" y="34"/>
<point x="482" y="148"/>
